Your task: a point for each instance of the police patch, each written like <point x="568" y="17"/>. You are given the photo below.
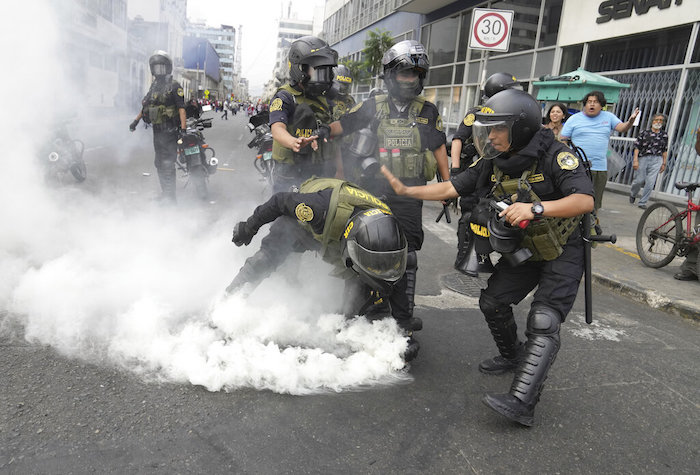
<point x="304" y="213"/>
<point x="276" y="105"/>
<point x="180" y="92"/>
<point x="567" y="161"/>
<point x="438" y="124"/>
<point x="469" y="120"/>
<point x="421" y="120"/>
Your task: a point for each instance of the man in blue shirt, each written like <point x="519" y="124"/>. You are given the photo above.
<point x="591" y="131"/>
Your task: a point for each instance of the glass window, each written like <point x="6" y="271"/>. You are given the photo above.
<point x="443" y="35"/>
<point x="459" y="74"/>
<point x="660" y="48"/>
<point x="696" y="52"/>
<point x="550" y="23"/>
<point x="439" y="76"/>
<point x="544" y="62"/>
<point x="518" y="66"/>
<point x="425" y="36"/>
<point x="454" y="116"/>
<point x="570" y="58"/>
<point x="525" y="19"/>
<point x="463" y="44"/>
<point x="473" y="73"/>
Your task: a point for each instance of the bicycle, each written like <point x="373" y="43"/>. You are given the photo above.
<point x="664" y="232"/>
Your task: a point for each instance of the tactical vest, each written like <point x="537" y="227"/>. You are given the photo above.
<point x="412" y="160"/>
<point x="545" y="237"/>
<point x="344" y="199"/>
<point x="159" y="105"/>
<point x="322" y="115"/>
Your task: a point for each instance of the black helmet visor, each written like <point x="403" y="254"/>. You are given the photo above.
<point x="388" y="266"/>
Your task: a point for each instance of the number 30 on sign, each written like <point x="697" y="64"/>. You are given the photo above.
<point x="490" y="29"/>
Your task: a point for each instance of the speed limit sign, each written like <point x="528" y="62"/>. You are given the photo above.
<point x="490" y="29"/>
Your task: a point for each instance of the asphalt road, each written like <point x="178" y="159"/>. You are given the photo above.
<point x="622" y="396"/>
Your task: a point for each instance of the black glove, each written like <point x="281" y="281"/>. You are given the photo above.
<point x="241" y="234"/>
<point x="323" y="132"/>
<point x="133" y="125"/>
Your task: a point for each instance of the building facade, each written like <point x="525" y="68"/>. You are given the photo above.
<point x="653" y="46"/>
<point x="224" y="41"/>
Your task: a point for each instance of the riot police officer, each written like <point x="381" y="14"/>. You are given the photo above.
<point x="342" y="103"/>
<point x="410" y="140"/>
<point x="164" y="108"/>
<point x="548" y="187"/>
<point x="296" y="111"/>
<point x="470" y="260"/>
<point x="350" y="228"/>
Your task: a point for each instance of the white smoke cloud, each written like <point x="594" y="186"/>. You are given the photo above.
<point x="118" y="281"/>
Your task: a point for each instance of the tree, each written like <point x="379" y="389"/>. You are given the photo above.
<point x="358" y="71"/>
<point x="376" y="44"/>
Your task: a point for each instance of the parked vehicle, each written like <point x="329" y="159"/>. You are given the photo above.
<point x="262" y="142"/>
<point x="62" y="154"/>
<point x="195" y="157"/>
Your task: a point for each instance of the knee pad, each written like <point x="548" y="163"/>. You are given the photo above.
<point x="543" y="320"/>
<point x="492" y="307"/>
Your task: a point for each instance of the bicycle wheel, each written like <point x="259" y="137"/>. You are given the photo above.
<point x="658" y="234"/>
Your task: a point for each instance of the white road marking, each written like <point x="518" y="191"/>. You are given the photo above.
<point x="443" y="231"/>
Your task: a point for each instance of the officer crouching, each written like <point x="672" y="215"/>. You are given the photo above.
<point x="538" y="182"/>
<point x="351" y="229"/>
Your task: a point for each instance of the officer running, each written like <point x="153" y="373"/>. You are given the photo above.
<point x="547" y="186"/>
<point x="297" y="110"/>
<point x="164" y="108"/>
<point x="350" y="228"/>
<point x="410" y="140"/>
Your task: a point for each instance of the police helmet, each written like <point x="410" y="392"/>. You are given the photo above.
<point x="500" y="82"/>
<point x="407" y="55"/>
<point x="512" y="111"/>
<point x="374" y="246"/>
<point x="160" y="63"/>
<point x="503" y="237"/>
<point x="311" y="63"/>
<point x="343" y="79"/>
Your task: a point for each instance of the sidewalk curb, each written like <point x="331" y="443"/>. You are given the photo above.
<point x="651" y="298"/>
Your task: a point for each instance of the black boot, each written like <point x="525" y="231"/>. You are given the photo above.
<point x="499" y="318"/>
<point x="168" y="182"/>
<point x="540" y="352"/>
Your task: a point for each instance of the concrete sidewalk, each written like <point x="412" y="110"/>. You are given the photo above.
<point x="618" y="267"/>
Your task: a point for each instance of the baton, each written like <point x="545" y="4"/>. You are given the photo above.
<point x="445" y="207"/>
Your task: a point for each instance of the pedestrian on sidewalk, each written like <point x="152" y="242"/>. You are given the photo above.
<point x="590" y="130"/>
<point x="689" y="268"/>
<point x="650" y="150"/>
<point x="556" y="116"/>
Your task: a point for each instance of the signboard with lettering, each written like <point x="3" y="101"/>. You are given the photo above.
<point x="490" y="29"/>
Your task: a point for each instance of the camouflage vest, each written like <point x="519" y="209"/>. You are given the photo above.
<point x="344" y="199"/>
<point x="300" y="127"/>
<point x="545" y="237"/>
<point x="405" y="156"/>
<point x="159" y="106"/>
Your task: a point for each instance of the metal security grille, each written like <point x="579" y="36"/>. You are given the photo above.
<point x="683" y="161"/>
<point x="652" y="92"/>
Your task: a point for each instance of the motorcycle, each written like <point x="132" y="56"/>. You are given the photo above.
<point x="62" y="154"/>
<point x="263" y="163"/>
<point x="195" y="157"/>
